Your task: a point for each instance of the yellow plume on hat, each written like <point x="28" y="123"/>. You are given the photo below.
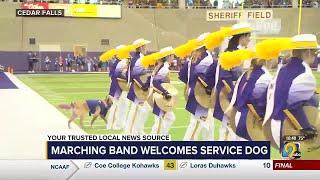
<point x="270" y="49"/>
<point x="153" y="58"/>
<point x="106" y="56"/>
<point x="124" y="53"/>
<point x="186" y="49"/>
<point x="181" y="51"/>
<point x="267" y="49"/>
<point x="214" y="39"/>
<point x="192" y="44"/>
<point x="150" y="59"/>
<point x="229" y="60"/>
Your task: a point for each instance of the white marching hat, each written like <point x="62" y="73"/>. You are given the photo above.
<point x="202" y="36"/>
<point x="166" y="49"/>
<point x="241" y="28"/>
<point x="140" y="42"/>
<point x="201" y="39"/>
<point x="305" y="41"/>
<point x="164" y="52"/>
<point x="120" y="47"/>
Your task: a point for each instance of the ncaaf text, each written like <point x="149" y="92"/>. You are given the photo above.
<point x="230" y="15"/>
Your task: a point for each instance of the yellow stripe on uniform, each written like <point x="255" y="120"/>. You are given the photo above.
<point x="292" y="119"/>
<point x="254" y="112"/>
<point x="203" y="82"/>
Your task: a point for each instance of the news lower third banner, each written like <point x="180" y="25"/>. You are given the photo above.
<point x="158" y="150"/>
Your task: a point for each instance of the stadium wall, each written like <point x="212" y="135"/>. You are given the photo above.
<point x="163" y="27"/>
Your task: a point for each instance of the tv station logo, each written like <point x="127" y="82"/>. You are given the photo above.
<point x="291" y="150"/>
<point x="38" y="9"/>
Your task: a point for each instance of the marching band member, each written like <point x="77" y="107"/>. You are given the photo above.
<point x="139" y="109"/>
<point x="185" y="74"/>
<point x="293" y="88"/>
<point x="200" y="61"/>
<point x="118" y="70"/>
<point x="163" y="119"/>
<point x="224" y="78"/>
<point x="250" y="91"/>
<point x="212" y="41"/>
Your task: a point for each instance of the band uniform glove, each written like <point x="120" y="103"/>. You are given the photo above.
<point x="145" y="87"/>
<point x="309" y="133"/>
<point x="167" y="95"/>
<point x="208" y="91"/>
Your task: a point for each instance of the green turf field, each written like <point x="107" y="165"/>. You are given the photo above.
<point x="65" y="88"/>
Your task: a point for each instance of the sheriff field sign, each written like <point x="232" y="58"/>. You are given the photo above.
<point x="231" y="15"/>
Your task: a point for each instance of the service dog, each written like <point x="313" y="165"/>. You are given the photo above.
<point x="94" y="108"/>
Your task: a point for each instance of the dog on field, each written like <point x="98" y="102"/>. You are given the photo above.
<point x="94" y="108"/>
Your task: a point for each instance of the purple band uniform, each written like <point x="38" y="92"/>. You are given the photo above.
<point x="249" y="92"/>
<point x="93" y="104"/>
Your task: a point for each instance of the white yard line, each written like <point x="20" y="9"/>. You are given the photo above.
<point x="26" y="120"/>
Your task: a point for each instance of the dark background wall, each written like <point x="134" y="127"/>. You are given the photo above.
<point x="163" y="27"/>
